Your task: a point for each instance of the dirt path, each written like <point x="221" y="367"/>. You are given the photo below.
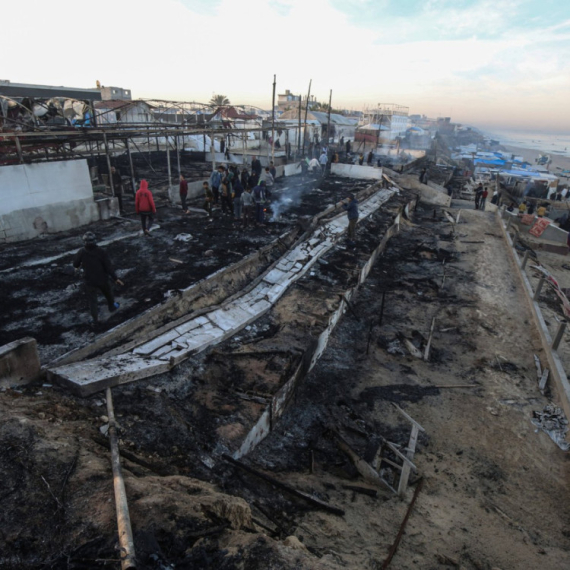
<point x="493" y="487"/>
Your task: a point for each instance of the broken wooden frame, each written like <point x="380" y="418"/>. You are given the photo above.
<point x="371" y="473"/>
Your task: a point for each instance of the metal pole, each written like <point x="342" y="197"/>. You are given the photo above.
<point x="126" y="541"/>
<point x="299" y="134"/>
<point x="19" y="150"/>
<point x="177" y="154"/>
<point x="538" y="288"/>
<point x="329" y="120"/>
<point x="213" y="149"/>
<point x="109" y="164"/>
<point x="559" y="335"/>
<point x="133" y="181"/>
<point x="273" y="120"/>
<point x="243" y="138"/>
<point x="525" y="258"/>
<point x="306" y="111"/>
<point x="168" y="164"/>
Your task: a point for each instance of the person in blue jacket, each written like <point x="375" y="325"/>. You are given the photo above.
<point x="351" y="208"/>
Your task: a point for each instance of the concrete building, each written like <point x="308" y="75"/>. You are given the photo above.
<point x="115" y="93"/>
<point x="135" y="112"/>
<point x="287" y="100"/>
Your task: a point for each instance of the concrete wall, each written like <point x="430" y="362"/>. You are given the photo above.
<point x="356" y="171"/>
<point x="19" y="362"/>
<point x="430" y="195"/>
<point x="46" y="197"/>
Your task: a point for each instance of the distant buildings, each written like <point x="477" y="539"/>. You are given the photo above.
<point x="132" y="112"/>
<point x="115" y="93"/>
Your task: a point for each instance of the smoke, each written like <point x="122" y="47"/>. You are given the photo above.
<point x="290" y="197"/>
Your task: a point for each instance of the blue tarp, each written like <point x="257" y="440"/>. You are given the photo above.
<point x="494" y="162"/>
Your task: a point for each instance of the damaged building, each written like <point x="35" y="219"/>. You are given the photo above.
<point x="277" y="396"/>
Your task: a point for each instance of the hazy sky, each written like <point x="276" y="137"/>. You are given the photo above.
<point x="503" y="63"/>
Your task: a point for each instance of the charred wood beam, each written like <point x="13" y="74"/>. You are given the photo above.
<point x="292" y="491"/>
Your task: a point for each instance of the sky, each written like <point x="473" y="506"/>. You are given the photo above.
<point x="489" y="63"/>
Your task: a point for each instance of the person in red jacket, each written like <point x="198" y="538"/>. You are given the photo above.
<point x="144" y="205"/>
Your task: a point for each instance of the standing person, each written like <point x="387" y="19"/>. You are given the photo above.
<point x="369" y="158"/>
<point x="348" y="147"/>
<point x="183" y="194"/>
<point x="215" y="181"/>
<point x="256" y="167"/>
<point x="541" y="210"/>
<point x="248" y="207"/>
<point x="208" y="199"/>
<point x="269" y="181"/>
<point x="484" y="195"/>
<point x="361" y="159"/>
<point x="424" y="176"/>
<point x="273" y="170"/>
<point x="97" y="270"/>
<point x="351" y="208"/>
<point x="144" y="206"/>
<point x="259" y="199"/>
<point x="237" y="191"/>
<point x="244" y="178"/>
<point x="225" y="196"/>
<point x="341" y="141"/>
<point x="323" y="159"/>
<point x="478" y="192"/>
<point x="253" y="180"/>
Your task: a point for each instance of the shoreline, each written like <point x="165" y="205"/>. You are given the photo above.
<point x="559" y="162"/>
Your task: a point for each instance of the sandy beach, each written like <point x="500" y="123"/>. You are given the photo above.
<point x="559" y="162"/>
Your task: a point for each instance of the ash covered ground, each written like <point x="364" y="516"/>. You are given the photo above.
<point x="191" y="509"/>
<point x="48" y="299"/>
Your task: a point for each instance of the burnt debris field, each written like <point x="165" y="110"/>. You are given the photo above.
<point x="266" y="450"/>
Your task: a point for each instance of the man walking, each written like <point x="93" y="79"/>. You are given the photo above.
<point x="351" y="208"/>
<point x="183" y="194"/>
<point x="97" y="270"/>
<point x="144" y="206"/>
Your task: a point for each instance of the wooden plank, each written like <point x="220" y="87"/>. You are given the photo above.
<point x="311" y="500"/>
<point x="428" y="345"/>
<point x="405" y="475"/>
<point x="543" y="380"/>
<point x="401" y="455"/>
<point x="409" y="418"/>
<point x="538" y="367"/>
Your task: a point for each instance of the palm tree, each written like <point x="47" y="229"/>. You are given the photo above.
<point x="219" y="100"/>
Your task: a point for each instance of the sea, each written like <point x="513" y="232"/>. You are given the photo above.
<point x="550" y="143"/>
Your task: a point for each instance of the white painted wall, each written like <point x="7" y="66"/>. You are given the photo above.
<point x="45" y="197"/>
<point x="356" y="171"/>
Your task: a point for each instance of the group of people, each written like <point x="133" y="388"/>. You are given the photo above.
<point x="243" y="195"/>
<point x="481" y="193"/>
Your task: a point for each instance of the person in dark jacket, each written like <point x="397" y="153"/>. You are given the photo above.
<point x="183" y="193"/>
<point x="370" y="158"/>
<point x="144" y="206"/>
<point x="256" y="166"/>
<point x="273" y="170"/>
<point x="244" y="178"/>
<point x="351" y="208"/>
<point x="97" y="270"/>
<point x="237" y="191"/>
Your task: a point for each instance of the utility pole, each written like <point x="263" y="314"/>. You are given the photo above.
<point x="299" y="134"/>
<point x="329" y="120"/>
<point x="306" y="111"/>
<point x="273" y="120"/>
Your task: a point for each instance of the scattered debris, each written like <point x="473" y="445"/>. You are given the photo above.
<point x="553" y="421"/>
<point x="183" y="238"/>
